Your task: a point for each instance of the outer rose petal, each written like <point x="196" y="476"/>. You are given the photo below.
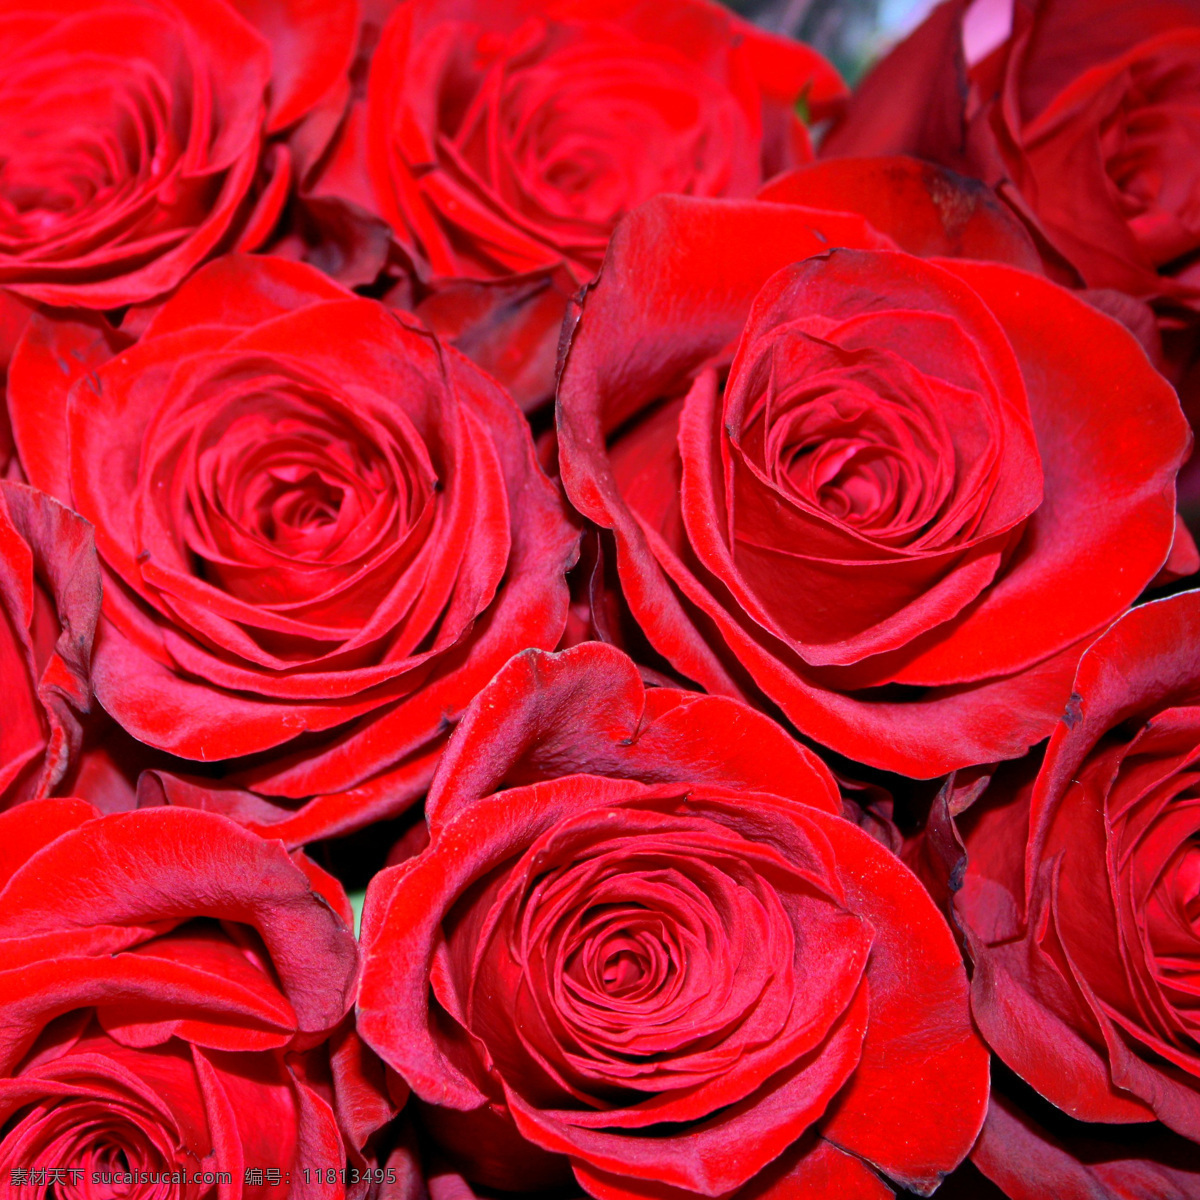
<point x="925" y="209"/>
<point x="1143" y="662"/>
<point x="780" y="62"/>
<point x="816" y="1173"/>
<point x="1030" y="1163"/>
<point x="1017" y="999"/>
<point x="320" y="816"/>
<point x="911" y="103"/>
<point x="134" y="868"/>
<point x="50" y="358"/>
<point x="37" y="824"/>
<point x="49" y="603"/>
<point x="237" y="292"/>
<point x="15" y="312"/>
<point x="813" y="1169"/>
<point x="312" y="43"/>
<point x="510" y="329"/>
<point x="895" y="1112"/>
<point x="586" y="710"/>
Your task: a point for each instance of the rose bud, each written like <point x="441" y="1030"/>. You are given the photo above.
<point x="1081" y="898"/>
<point x="320" y="531"/>
<point x="642" y="947"/>
<point x="171" y="992"/>
<point x="501" y="140"/>
<point x="894" y="496"/>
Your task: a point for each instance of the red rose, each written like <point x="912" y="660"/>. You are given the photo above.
<point x="916" y="491"/>
<point x="1086" y="115"/>
<point x="133" y="135"/>
<point x="312" y="519"/>
<point x="49" y="603"/>
<point x="657" y="954"/>
<point x="502" y="140"/>
<point x="1082" y="885"/>
<point x="169" y="985"/>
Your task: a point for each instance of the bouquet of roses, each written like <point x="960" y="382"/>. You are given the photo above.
<point x="588" y="612"/>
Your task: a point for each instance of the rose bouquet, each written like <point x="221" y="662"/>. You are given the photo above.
<point x="587" y="610"/>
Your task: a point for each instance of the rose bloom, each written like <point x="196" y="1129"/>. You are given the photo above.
<point x="643" y="946"/>
<point x="894" y="496"/>
<point x="49" y="604"/>
<point x="312" y="520"/>
<point x="138" y="137"/>
<point x="501" y="140"/>
<point x="171" y="991"/>
<point x="1081" y="897"/>
<point x="1085" y="112"/>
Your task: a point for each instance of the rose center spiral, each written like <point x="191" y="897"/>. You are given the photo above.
<point x="623" y="952"/>
<point x="1151" y="142"/>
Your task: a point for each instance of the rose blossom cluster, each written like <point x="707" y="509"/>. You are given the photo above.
<point x="586" y="612"/>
